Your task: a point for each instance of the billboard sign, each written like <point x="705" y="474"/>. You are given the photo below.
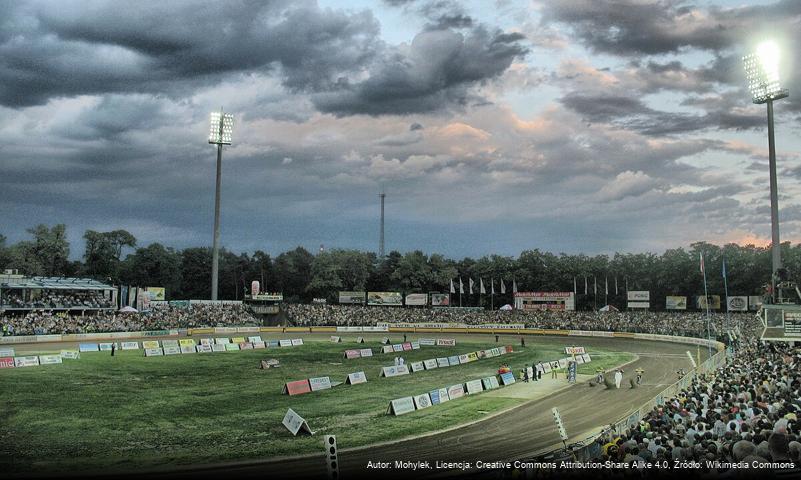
<point x="754" y="302"/>
<point x="155" y="293"/>
<point x="675" y="303"/>
<point x="639" y="296"/>
<point x="639" y="305"/>
<point x="545" y="301"/>
<point x="440" y="300"/>
<point x="737" y="303"/>
<point x="714" y="302"/>
<point x="384" y="298"/>
<point x="416" y="299"/>
<point x="352" y="297"/>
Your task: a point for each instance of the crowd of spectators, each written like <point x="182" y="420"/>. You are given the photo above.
<point x="747" y="411"/>
<point x="56" y="299"/>
<point x="667" y="323"/>
<point x="159" y="318"/>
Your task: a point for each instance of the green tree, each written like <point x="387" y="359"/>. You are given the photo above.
<point x="153" y="266"/>
<point x="103" y="253"/>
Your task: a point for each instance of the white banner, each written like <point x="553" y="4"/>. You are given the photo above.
<point x="366" y="352"/>
<point x="26" y="361"/>
<point x="203" y="348"/>
<point x="430" y="363"/>
<point x="394" y="370"/>
<point x="422" y="401"/>
<point x="153" y="352"/>
<point x="129" y="345"/>
<point x="172" y="350"/>
<point x="442" y="362"/>
<point x="296" y="342"/>
<point x="70" y="354"/>
<point x="417" y="366"/>
<point x="320" y="383"/>
<point x="639" y="296"/>
<point x="737" y="303"/>
<point x="429" y="342"/>
<point x="639" y="305"/>
<point x="675" y="302"/>
<point x="285" y="343"/>
<point x="399" y="406"/>
<point x="474" y="386"/>
<point x="446" y="342"/>
<point x="416" y="299"/>
<point x="295" y="423"/>
<point x="49" y="359"/>
<point x="357" y="377"/>
<point x="456" y="391"/>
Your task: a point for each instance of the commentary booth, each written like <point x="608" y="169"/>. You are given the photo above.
<point x="781" y="322"/>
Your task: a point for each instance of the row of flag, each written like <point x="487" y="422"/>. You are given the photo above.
<point x="482" y="290"/>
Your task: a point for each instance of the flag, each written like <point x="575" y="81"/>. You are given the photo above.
<point x="702" y="262"/>
<point x="461" y="286"/>
<point x="606" y="279"/>
<point x="452" y="289"/>
<point x="585" y="285"/>
<point x="514" y="286"/>
<point x="481" y="288"/>
<point x="503" y="288"/>
<point x="471" y="285"/>
<point x="615" y="284"/>
<point x="492" y="286"/>
<point x="574" y="286"/>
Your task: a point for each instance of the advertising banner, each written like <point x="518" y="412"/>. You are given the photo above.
<point x="574" y="350"/>
<point x="153" y="352"/>
<point x="352" y="354"/>
<point x="638" y="296"/>
<point x="297" y="341"/>
<point x="186" y="342"/>
<point x="170" y="343"/>
<point x="400" y="406"/>
<point x="30" y="361"/>
<point x="259" y="345"/>
<point x="454" y="360"/>
<point x="473" y="387"/>
<point x="394" y="371"/>
<point x="674" y="302"/>
<point x="187" y="349"/>
<point x="490" y="383"/>
<point x="639" y="305"/>
<point x="129" y="345"/>
<point x="384" y="298"/>
<point x="70" y="354"/>
<point x="586" y="358"/>
<point x="88" y="347"/>
<point x="105" y="347"/>
<point x="204" y="348"/>
<point x="422" y="401"/>
<point x="229" y="347"/>
<point x="335" y="339"/>
<point x="6" y="352"/>
<point x="406" y="346"/>
<point x="238" y="340"/>
<point x="442" y="362"/>
<point x="366" y="352"/>
<point x="508" y="378"/>
<point x="416" y="299"/>
<point x="714" y="302"/>
<point x="172" y="350"/>
<point x="285" y="343"/>
<point x="49" y="359"/>
<point x="446" y="342"/>
<point x="150" y="344"/>
<point x="428" y="342"/>
<point x="297" y="387"/>
<point x="356" y="377"/>
<point x="544" y="301"/>
<point x="295" y="423"/>
<point x="430" y="364"/>
<point x="455" y="391"/>
<point x="397" y="347"/>
<point x="737" y="303"/>
<point x="438" y="396"/>
<point x="440" y="300"/>
<point x="218" y="347"/>
<point x="6" y="362"/>
<point x="417" y="366"/>
<point x="254" y="339"/>
<point x="319" y="383"/>
<point x="352" y="297"/>
<point x="387" y="349"/>
<point x="155" y="293"/>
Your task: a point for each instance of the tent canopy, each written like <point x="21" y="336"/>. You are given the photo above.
<point x="506" y="307"/>
<point x="128" y="310"/>
<point x="609" y="308"/>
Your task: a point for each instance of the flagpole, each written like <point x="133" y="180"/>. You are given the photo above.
<point x="726" y="289"/>
<point x="706" y="298"/>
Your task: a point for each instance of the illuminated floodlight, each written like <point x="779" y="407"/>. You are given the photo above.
<point x="221" y="128"/>
<point x="762" y="73"/>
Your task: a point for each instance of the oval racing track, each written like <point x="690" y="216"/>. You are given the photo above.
<point x="526" y="430"/>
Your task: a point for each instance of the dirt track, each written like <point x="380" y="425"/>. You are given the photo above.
<point x="526" y="430"/>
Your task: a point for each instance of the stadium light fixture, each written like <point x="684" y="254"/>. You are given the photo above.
<point x="220" y="132"/>
<point x="762" y="73"/>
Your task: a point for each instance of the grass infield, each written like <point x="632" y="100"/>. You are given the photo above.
<point x="129" y="412"/>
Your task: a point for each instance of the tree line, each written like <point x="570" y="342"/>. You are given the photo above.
<point x="115" y="257"/>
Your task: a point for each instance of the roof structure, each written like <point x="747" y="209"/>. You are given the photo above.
<point x="56" y="283"/>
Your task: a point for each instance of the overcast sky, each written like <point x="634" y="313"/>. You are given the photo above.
<point x="493" y="126"/>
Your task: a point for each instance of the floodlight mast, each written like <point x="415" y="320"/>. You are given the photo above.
<point x="221" y="130"/>
<point x="762" y="72"/>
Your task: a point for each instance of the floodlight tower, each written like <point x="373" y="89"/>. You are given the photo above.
<point x="222" y="127"/>
<point x="762" y="73"/>
<point x="381" y="195"/>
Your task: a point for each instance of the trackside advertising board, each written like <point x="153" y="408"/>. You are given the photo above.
<point x="366" y="352"/>
<point x="455" y="391"/>
<point x="6" y="362"/>
<point x="446" y="342"/>
<point x="416" y="299"/>
<point x="737" y="303"/>
<point x="508" y="378"/>
<point x="150" y="344"/>
<point x="473" y="387"/>
<point x="320" y="383"/>
<point x="443" y="362"/>
<point x="297" y="387"/>
<point x="394" y="371"/>
<point x="399" y="406"/>
<point x="29" y="361"/>
<point x="675" y="302"/>
<point x="422" y="401"/>
<point x="70" y="354"/>
<point x="129" y="345"/>
<point x="6" y="352"/>
<point x="49" y="359"/>
<point x="295" y="423"/>
<point x="490" y="383"/>
<point x="356" y="378"/>
<point x="384" y="298"/>
<point x="430" y="364"/>
<point x="438" y="396"/>
<point x="352" y="297"/>
<point x="88" y="347"/>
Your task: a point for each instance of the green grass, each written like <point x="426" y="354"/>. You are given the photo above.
<point x="125" y="412"/>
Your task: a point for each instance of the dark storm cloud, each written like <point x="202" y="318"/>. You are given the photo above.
<point x="65" y="49"/>
<point x="625" y="27"/>
<point x="632" y="113"/>
<point x="438" y="70"/>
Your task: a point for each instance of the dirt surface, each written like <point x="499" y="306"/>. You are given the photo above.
<point x="523" y="432"/>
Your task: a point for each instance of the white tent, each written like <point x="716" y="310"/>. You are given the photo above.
<point x="128" y="310"/>
<point x="506" y="307"/>
<point x="608" y="308"/>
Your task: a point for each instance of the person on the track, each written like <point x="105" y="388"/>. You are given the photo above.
<point x="525" y="374"/>
<point x="639" y="371"/>
<point x="599" y="377"/>
<point x="618" y="377"/>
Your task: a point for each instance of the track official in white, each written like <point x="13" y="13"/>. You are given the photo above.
<point x="618" y="378"/>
